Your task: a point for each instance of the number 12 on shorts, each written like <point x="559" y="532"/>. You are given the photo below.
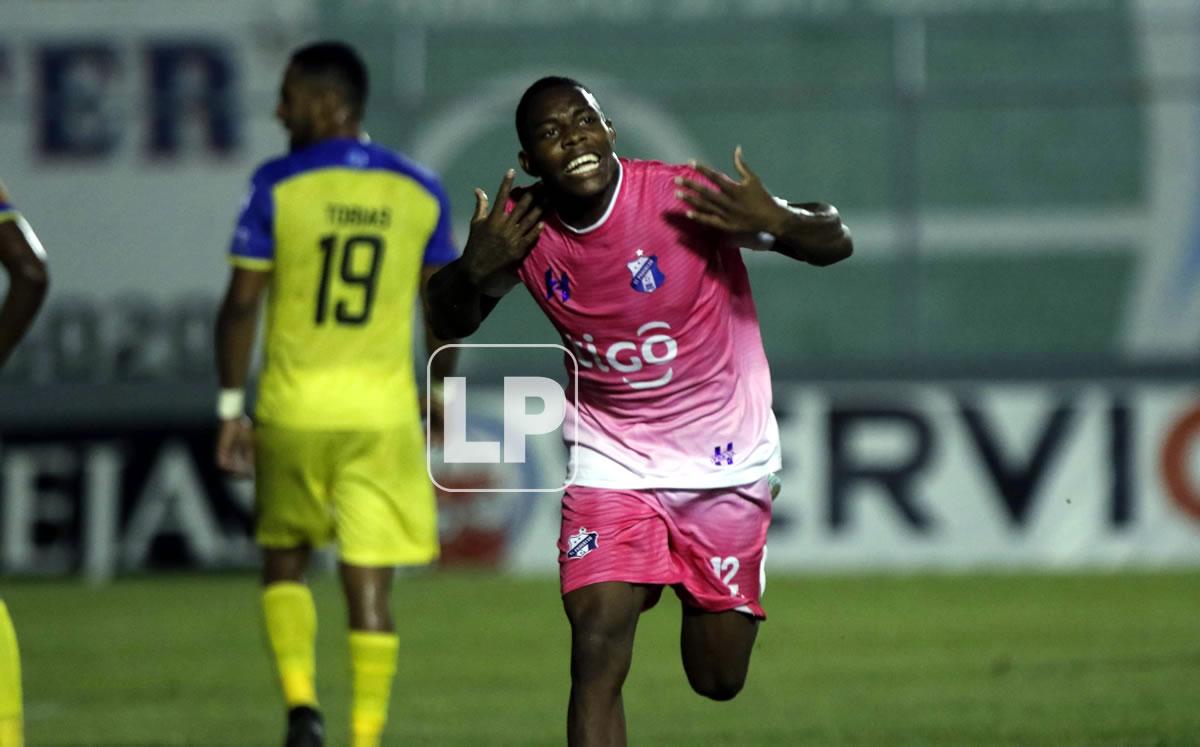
<point x="726" y="569"/>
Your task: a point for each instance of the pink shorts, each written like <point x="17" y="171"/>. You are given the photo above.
<point x="709" y="545"/>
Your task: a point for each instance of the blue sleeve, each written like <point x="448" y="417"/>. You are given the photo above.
<point x="441" y="250"/>
<point x="254" y="235"/>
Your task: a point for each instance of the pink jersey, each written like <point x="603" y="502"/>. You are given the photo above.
<point x="674" y="389"/>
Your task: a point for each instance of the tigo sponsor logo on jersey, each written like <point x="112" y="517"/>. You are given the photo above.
<point x="622" y="356"/>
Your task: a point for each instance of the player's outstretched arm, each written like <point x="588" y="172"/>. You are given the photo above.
<point x="464" y="292"/>
<point x="24" y="260"/>
<point x="441" y="365"/>
<point x="811" y="232"/>
<point x="237" y="323"/>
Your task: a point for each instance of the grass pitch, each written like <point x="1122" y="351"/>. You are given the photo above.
<point x="921" y="660"/>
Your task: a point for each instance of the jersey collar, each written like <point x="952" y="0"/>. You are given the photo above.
<point x="608" y="210"/>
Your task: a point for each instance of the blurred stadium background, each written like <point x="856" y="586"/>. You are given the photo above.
<point x="1004" y="381"/>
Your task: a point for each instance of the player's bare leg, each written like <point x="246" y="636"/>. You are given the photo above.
<point x="373" y="648"/>
<point x="603" y="620"/>
<point x="368" y="591"/>
<point x="716" y="649"/>
<point x="283" y="565"/>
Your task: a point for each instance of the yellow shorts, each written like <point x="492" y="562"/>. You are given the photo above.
<point x="367" y="489"/>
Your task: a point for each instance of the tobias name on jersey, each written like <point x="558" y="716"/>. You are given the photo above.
<point x="656" y="350"/>
<point x="358" y="215"/>
<point x="581" y="543"/>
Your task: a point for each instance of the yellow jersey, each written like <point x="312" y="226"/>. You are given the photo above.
<point x="344" y="227"/>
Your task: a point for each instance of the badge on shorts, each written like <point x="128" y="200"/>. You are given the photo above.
<point x="581" y="543"/>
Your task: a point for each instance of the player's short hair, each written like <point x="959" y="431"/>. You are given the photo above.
<point x="539" y="85"/>
<point x="339" y="64"/>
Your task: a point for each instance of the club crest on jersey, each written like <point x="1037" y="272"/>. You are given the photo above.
<point x="647" y="277"/>
<point x="581" y="543"/>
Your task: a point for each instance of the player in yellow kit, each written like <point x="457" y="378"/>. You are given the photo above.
<point x="338" y="234"/>
<point x="24" y="261"/>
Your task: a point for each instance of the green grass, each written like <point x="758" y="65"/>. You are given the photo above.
<point x="945" y="660"/>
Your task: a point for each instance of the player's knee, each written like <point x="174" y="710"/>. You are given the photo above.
<point x="600" y="654"/>
<point x="717" y="685"/>
<point x="591" y="644"/>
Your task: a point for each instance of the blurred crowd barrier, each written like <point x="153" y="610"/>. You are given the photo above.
<point x="877" y="476"/>
<point x="1005" y="373"/>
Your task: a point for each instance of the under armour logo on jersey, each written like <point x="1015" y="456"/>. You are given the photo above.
<point x="562" y="285"/>
<point x="581" y="543"/>
<point x="723" y="457"/>
<point x="646" y="275"/>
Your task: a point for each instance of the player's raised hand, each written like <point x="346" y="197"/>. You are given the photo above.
<point x="235" y="447"/>
<point x="738" y="207"/>
<point x="499" y="240"/>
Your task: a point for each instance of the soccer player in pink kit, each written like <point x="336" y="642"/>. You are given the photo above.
<point x="637" y="265"/>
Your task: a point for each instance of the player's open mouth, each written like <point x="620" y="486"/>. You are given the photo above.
<point x="583" y="165"/>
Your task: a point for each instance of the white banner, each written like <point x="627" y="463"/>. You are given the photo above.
<point x="129" y="132"/>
